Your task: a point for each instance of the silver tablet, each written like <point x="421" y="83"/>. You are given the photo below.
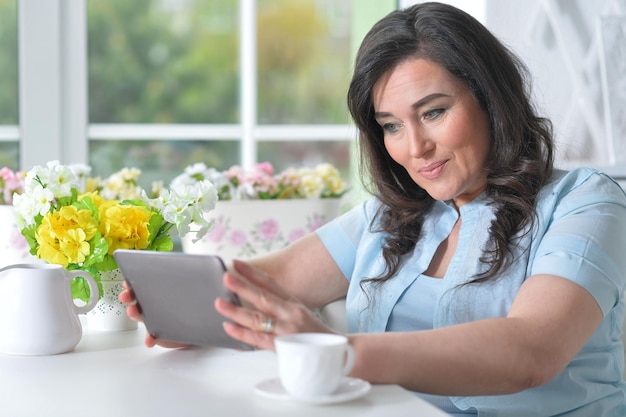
<point x="175" y="293"/>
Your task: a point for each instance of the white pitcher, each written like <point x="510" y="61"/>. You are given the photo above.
<point x="37" y="313"/>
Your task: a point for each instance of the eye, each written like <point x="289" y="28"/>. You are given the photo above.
<point x="433" y="114"/>
<point x="392" y="127"/>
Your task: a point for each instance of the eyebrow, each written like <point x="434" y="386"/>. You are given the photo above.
<point x="419" y="103"/>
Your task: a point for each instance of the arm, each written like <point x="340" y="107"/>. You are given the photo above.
<point x="283" y="286"/>
<point x="306" y="271"/>
<point x="550" y="320"/>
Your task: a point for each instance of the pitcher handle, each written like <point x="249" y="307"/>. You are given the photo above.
<point x="94" y="294"/>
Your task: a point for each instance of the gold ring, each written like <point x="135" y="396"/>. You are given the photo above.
<point x="268" y="324"/>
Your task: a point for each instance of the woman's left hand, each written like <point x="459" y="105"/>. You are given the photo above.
<point x="267" y="311"/>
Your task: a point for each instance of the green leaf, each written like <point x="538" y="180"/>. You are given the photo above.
<point x="29" y="233"/>
<point x="154" y="227"/>
<point x="86" y="203"/>
<point x="107" y="264"/>
<point x="99" y="249"/>
<point x="68" y="201"/>
<point x="163" y="244"/>
<point x="80" y="287"/>
<point x="134" y="203"/>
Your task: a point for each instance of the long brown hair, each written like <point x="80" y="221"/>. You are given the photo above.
<point x="521" y="148"/>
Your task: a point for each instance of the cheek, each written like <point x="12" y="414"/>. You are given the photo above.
<point x="395" y="150"/>
<point x="473" y="144"/>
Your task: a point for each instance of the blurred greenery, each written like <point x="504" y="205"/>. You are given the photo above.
<point x="8" y="63"/>
<point x="303" y="61"/>
<point x="156" y="61"/>
<point x="160" y="160"/>
<point x="9" y="151"/>
<point x="177" y="61"/>
<point x="163" y="62"/>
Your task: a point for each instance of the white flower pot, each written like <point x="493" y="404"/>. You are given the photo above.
<point x="109" y="314"/>
<point x="248" y="228"/>
<point x="13" y="245"/>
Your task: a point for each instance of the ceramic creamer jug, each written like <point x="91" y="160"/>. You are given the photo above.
<point x="37" y="313"/>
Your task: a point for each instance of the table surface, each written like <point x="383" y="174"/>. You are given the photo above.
<point x="114" y="374"/>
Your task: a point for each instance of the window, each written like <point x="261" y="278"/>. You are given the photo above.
<point x="9" y="146"/>
<point x="173" y="82"/>
<point x="159" y="84"/>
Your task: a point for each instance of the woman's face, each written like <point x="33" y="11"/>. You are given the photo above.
<point x="434" y="127"/>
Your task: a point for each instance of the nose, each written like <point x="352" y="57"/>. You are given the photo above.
<point x="419" y="145"/>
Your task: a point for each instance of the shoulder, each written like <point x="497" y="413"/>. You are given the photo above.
<point x="581" y="186"/>
<point x="366" y="210"/>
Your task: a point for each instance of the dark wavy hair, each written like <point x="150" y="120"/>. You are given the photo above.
<point x="520" y="159"/>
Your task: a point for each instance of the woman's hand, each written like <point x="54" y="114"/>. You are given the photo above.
<point x="267" y="311"/>
<point x="132" y="310"/>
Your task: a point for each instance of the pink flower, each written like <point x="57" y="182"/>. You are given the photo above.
<point x="238" y="237"/>
<point x="10" y="183"/>
<point x="269" y="229"/>
<point x="17" y="240"/>
<point x="217" y="234"/>
<point x="234" y="172"/>
<point x="316" y="222"/>
<point x="264" y="168"/>
<point x="296" y="234"/>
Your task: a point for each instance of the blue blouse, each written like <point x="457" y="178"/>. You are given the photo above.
<point x="579" y="234"/>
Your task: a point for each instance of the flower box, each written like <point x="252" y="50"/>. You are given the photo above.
<point x="248" y="228"/>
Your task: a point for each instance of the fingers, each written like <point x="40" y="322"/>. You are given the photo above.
<point x="259" y="278"/>
<point x="257" y="294"/>
<point x="268" y="312"/>
<point x="252" y="338"/>
<point x="252" y="319"/>
<point x="132" y="311"/>
<point x="126" y="296"/>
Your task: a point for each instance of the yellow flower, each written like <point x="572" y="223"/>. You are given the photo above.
<point x="124" y="226"/>
<point x="64" y="235"/>
<point x="311" y="184"/>
<point x="92" y="184"/>
<point x="331" y="177"/>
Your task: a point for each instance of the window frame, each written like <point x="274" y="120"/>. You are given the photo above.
<point x="54" y="98"/>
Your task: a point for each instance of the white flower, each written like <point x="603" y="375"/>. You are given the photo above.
<point x="61" y="179"/>
<point x="195" y="173"/>
<point x="122" y="185"/>
<point x="157" y="187"/>
<point x="186" y="204"/>
<point x="36" y="202"/>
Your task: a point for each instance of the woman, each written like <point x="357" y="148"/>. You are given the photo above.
<point x="477" y="276"/>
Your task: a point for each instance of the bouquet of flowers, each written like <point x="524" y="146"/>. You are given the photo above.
<point x="78" y="222"/>
<point x="11" y="182"/>
<point x="261" y="182"/>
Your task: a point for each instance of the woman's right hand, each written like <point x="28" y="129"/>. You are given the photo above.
<point x="132" y="310"/>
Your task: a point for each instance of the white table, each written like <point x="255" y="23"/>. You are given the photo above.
<point x="114" y="374"/>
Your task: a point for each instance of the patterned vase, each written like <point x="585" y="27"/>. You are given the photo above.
<point x="109" y="315"/>
<point x="248" y="228"/>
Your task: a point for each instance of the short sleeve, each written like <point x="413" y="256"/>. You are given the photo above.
<point x="343" y="235"/>
<point x="585" y="239"/>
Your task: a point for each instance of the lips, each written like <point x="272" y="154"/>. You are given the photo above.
<point x="434" y="170"/>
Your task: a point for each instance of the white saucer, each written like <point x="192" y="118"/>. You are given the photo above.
<point x="349" y="389"/>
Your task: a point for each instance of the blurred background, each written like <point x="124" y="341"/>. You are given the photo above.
<point x="161" y="84"/>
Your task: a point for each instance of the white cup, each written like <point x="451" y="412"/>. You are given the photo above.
<point x="311" y="365"/>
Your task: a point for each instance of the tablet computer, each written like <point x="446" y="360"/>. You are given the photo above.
<point x="175" y="293"/>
